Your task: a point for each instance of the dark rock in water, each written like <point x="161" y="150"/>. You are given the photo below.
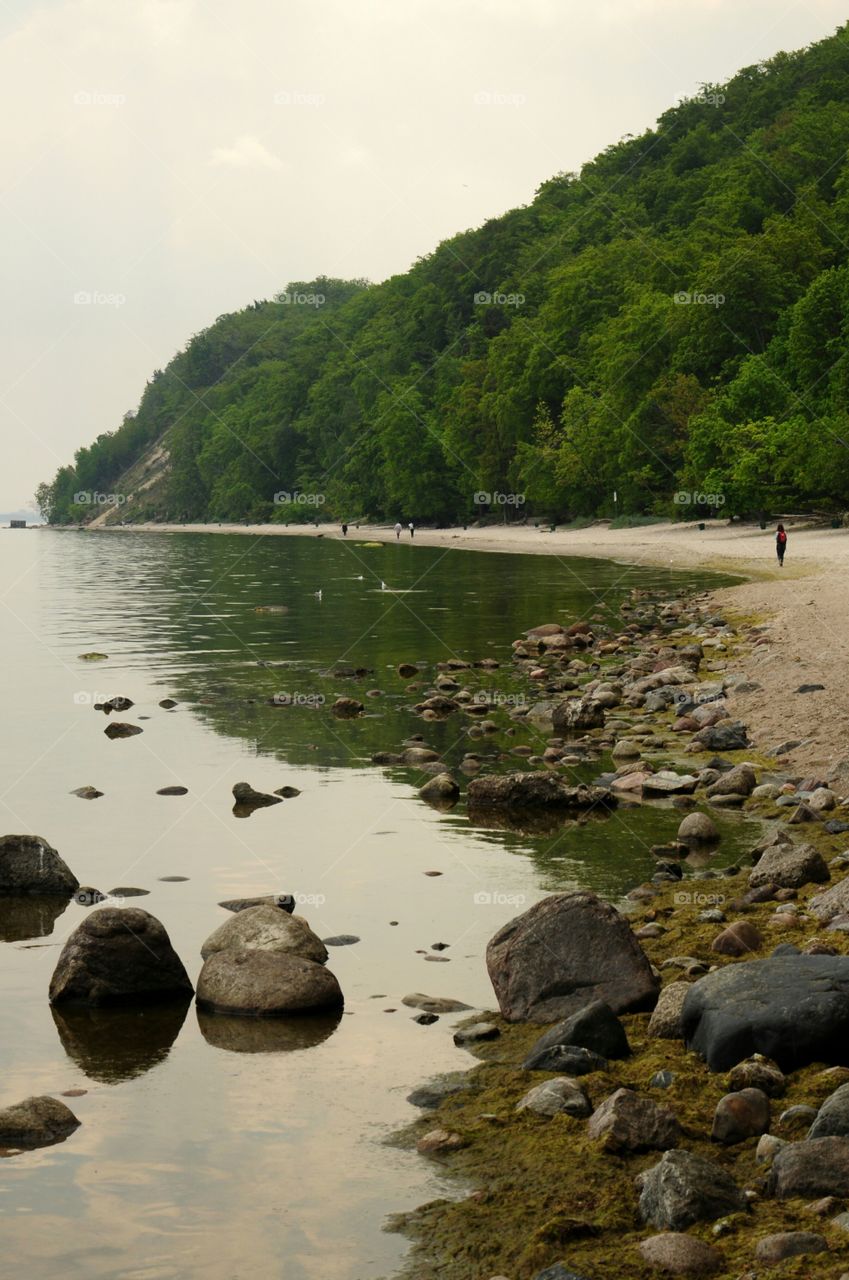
<point x="628" y="1122"/>
<point x="118" y="729"/>
<point x="434" y="1004"/>
<point x="128" y="891"/>
<point x="341" y="940"/>
<point x="119" y="1043"/>
<point x="261" y="984"/>
<point x="817" y="1167"/>
<point x="425" y="1019"/>
<point x="684" y="1188"/>
<point x="247" y="799"/>
<point x="833" y="1117"/>
<point x="477" y="1032"/>
<point x="288" y="793"/>
<point x="36" y="1122"/>
<point x="347" y="708"/>
<point x="118" y="956"/>
<point x="524" y="791"/>
<point x="285" y="901"/>
<point x="87" y="793"/>
<point x="173" y="879"/>
<point x="563" y="953"/>
<point x="28" y="864"/>
<point x="568" y="1058"/>
<point x="173" y="791"/>
<point x="87" y="896"/>
<point x="594" y="1027"/>
<point x="741" y="1115"/>
<point x="168" y="704"/>
<point x="431" y="1095"/>
<point x="794" y="1009"/>
<point x="117" y="704"/>
<point x="442" y="791"/>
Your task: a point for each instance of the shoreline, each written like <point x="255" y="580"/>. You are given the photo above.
<point x="805" y="606"/>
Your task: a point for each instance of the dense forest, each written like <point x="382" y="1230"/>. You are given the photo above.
<point x="668" y="326"/>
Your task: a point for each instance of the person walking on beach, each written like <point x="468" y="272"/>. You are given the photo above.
<point x="780" y="545"/>
<point x="397" y="530"/>
<point x="412" y="530"/>
<point x="344" y="531"/>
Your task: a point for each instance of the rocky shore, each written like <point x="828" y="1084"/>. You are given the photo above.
<point x="663" y="1087"/>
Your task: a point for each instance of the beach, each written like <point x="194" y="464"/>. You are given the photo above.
<point x="804" y="606"/>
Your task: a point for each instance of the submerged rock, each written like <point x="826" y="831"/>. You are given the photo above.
<point x="566" y="951"/>
<point x="442" y="791"/>
<point x="36" y="1122"/>
<point x="524" y="791"/>
<point x="118" y="955"/>
<point x="247" y="799"/>
<point x="119" y="729"/>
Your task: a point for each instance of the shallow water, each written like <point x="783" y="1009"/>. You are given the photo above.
<point x="221" y="1146"/>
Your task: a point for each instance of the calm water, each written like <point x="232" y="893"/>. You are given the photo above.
<point x="223" y="1147"/>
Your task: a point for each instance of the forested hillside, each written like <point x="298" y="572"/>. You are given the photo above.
<point x="672" y="319"/>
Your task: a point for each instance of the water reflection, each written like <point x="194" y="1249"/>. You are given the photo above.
<point x="111" y="1045"/>
<point x="29" y="917"/>
<point x="267" y="1035"/>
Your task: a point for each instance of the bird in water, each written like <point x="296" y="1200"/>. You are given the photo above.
<point x="317" y="594"/>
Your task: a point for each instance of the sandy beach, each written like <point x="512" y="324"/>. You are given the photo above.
<point x="805" y="604"/>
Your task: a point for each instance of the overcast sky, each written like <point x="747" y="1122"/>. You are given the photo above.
<point x="171" y="160"/>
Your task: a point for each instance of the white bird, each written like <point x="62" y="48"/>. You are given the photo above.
<point x="317" y="594"/>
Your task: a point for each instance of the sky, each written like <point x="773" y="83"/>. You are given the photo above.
<point x="167" y="161"/>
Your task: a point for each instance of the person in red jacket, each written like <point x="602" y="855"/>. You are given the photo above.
<point x="780" y="545"/>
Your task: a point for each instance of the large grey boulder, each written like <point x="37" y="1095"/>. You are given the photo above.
<point x="793" y="1009"/>
<point x="817" y="1167"/>
<point x="28" y="864"/>
<point x="739" y="781"/>
<point x="833" y="902"/>
<point x="36" y="1122"/>
<point x="118" y="955"/>
<point x="727" y="735"/>
<point x="577" y="714"/>
<point x="789" y="866"/>
<point x="266" y="928"/>
<point x="683" y="1188"/>
<point x="265" y="984"/>
<point x="563" y="953"/>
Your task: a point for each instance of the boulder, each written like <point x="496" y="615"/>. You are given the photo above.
<point x="788" y="1244"/>
<point x="594" y="1027"/>
<point x="261" y="984"/>
<point x="628" y="1122"/>
<point x="833" y="1116"/>
<point x="739" y="781"/>
<point x="789" y="866"/>
<point x="792" y="1008"/>
<point x="683" y="1188"/>
<point x="833" y="902"/>
<point x="523" y="791"/>
<point x="118" y="955"/>
<point x="564" y="952"/>
<point x="698" y="828"/>
<point x="741" y="1115"/>
<point x="680" y="1255"/>
<point x="738" y="939"/>
<point x="727" y="735"/>
<point x="758" y="1073"/>
<point x="266" y="928"/>
<point x="665" y="1022"/>
<point x="553" y="1097"/>
<point x="441" y="791"/>
<point x="36" y="1122"/>
<point x="817" y="1167"/>
<point x="577" y="714"/>
<point x="28" y="864"/>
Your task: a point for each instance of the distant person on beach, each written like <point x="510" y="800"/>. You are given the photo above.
<point x="412" y="530"/>
<point x="780" y="545"/>
<point x="398" y="531"/>
<point x="344" y="531"/>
